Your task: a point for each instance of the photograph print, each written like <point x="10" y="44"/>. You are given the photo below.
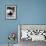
<point x="10" y="12"/>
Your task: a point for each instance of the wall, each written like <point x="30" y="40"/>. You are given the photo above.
<point x="28" y="12"/>
<point x="33" y="12"/>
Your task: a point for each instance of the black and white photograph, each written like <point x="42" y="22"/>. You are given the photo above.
<point x="11" y="12"/>
<point x="30" y="34"/>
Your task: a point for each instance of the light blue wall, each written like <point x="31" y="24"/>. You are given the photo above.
<point x="33" y="12"/>
<point x="28" y="12"/>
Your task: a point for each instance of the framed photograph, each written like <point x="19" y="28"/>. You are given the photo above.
<point x="10" y="12"/>
<point x="33" y="32"/>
